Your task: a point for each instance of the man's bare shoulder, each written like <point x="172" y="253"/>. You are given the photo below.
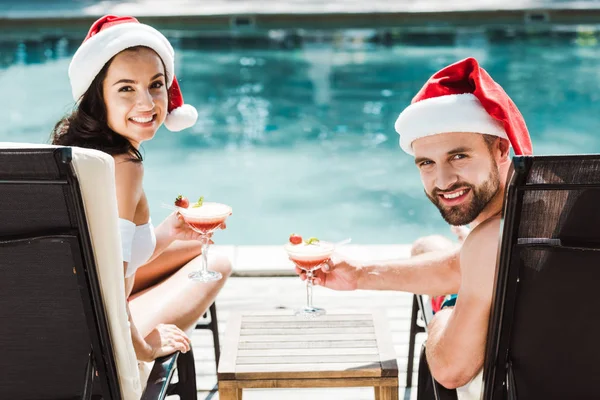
<point x="484" y="235"/>
<point x="481" y="246"/>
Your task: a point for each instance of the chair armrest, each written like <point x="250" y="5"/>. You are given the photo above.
<point x="160" y="377"/>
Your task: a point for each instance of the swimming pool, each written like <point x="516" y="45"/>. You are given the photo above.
<point x="301" y="139"/>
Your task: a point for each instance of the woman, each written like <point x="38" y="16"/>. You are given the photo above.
<point x="123" y="79"/>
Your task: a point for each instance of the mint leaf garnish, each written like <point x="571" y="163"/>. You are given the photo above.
<point x="199" y="202"/>
<point x="312" y="240"/>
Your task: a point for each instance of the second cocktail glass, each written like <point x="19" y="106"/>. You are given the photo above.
<point x="309" y="257"/>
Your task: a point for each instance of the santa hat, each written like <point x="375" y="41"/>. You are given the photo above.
<point x="110" y="35"/>
<point x="463" y="97"/>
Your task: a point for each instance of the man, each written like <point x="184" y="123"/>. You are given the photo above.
<point x="459" y="128"/>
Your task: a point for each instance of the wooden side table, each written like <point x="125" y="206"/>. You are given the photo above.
<point x="275" y="349"/>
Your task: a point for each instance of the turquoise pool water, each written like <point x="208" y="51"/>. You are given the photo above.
<point x="302" y="139"/>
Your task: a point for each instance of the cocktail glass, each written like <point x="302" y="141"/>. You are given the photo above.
<point x="309" y="257"/>
<point x="204" y="220"/>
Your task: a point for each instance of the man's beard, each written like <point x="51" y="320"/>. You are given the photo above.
<point x="464" y="214"/>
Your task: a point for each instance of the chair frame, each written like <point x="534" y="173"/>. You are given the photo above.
<point x="415" y="328"/>
<point x="497" y="368"/>
<point x="213" y="326"/>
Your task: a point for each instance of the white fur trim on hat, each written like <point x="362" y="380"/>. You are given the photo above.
<point x="181" y="118"/>
<point x="95" y="52"/>
<point x="445" y="114"/>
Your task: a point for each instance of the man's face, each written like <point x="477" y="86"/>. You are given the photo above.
<point x="459" y="173"/>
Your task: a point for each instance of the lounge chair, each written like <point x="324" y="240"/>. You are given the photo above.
<point x="64" y="332"/>
<point x="544" y="328"/>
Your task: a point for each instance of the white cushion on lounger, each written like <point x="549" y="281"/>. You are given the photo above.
<point x="95" y="171"/>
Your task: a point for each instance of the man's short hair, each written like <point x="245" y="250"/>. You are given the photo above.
<point x="490" y="140"/>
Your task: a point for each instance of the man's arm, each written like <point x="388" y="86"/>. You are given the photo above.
<point x="435" y="273"/>
<point x="457" y="336"/>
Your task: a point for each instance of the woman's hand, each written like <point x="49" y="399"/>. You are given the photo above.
<point x="175" y="228"/>
<point x="180" y="230"/>
<point x="166" y="339"/>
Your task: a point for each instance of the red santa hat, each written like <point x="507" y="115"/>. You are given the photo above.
<point x="463" y="97"/>
<point x="110" y="35"/>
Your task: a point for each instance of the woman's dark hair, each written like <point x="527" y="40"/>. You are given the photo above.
<point x="87" y="126"/>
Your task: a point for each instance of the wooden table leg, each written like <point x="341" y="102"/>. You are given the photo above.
<point x="230" y="394"/>
<point x="386" y="393"/>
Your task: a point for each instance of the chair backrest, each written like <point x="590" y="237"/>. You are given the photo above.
<point x="544" y="330"/>
<point x="54" y="299"/>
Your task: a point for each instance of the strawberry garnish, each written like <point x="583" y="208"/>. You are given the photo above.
<point x="182" y="202"/>
<point x="295" y="239"/>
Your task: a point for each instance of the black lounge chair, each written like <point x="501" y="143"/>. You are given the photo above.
<point x="63" y="330"/>
<point x="544" y="328"/>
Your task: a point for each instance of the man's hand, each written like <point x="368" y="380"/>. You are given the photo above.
<point x="337" y="274"/>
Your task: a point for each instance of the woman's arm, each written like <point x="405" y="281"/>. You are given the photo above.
<point x="143" y="351"/>
<point x="165" y="338"/>
<point x="128" y="181"/>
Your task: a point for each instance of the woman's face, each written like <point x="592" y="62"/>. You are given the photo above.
<point x="135" y="94"/>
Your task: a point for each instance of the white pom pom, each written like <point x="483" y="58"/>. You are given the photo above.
<point x="181" y="118"/>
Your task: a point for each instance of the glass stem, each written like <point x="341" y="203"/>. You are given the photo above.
<point x="204" y="249"/>
<point x="309" y="287"/>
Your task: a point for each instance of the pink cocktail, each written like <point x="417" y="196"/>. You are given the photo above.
<point x="205" y="227"/>
<point x="309" y="257"/>
<point x="204" y="220"/>
<point x="308" y="264"/>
